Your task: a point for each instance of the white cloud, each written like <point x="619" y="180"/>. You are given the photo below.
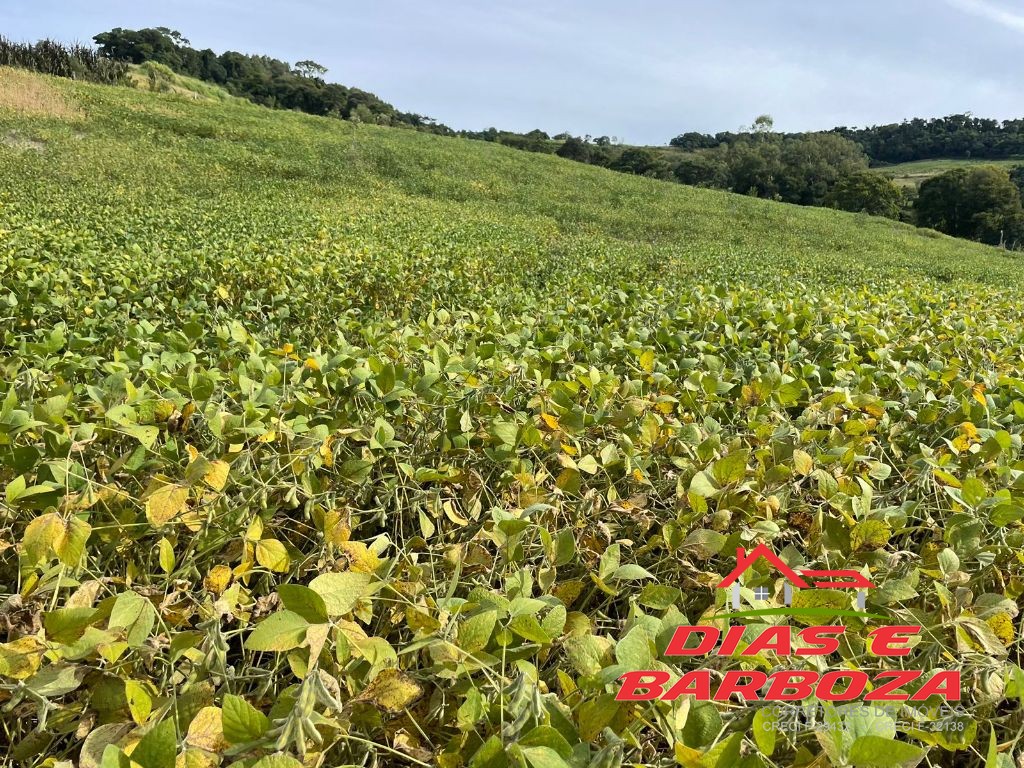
<point x="990" y="11"/>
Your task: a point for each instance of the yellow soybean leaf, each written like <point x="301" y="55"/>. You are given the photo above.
<point x="335" y="529"/>
<point x="192" y="519"/>
<point x="271" y="553"/>
<point x="206" y="730"/>
<point x="316" y="637"/>
<point x="803" y="462"/>
<point x="196" y="758"/>
<point x="361" y="558"/>
<point x="978" y="393"/>
<point x="217" y="579"/>
<point x="391" y="690"/>
<point x="19" y="659"/>
<point x="647" y="360"/>
<point x="71" y="545"/>
<point x="217" y="475"/>
<point x="166" y="555"/>
<point x="166" y="503"/>
<point x="1002" y="626"/>
<point x="326" y="452"/>
<point x="254" y="531"/>
<point x="50" y="534"/>
<point x="41" y="537"/>
<point x="451" y="514"/>
<point x="870" y="534"/>
<point x="140" y="703"/>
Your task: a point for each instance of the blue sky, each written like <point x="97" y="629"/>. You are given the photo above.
<point x="642" y="71"/>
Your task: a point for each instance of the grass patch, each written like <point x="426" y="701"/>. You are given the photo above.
<point x="29" y="95"/>
<point x="158" y="78"/>
<point x="913" y="173"/>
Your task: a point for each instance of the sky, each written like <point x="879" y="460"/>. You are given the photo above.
<point x="642" y="71"/>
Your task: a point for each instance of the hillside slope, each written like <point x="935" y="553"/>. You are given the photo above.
<point x="359" y="446"/>
<point x="158" y="78"/>
<point x="297" y="175"/>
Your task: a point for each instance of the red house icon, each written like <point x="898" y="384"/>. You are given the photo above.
<point x="803" y="579"/>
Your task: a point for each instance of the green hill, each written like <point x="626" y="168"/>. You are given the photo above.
<point x="159" y="78"/>
<point x="367" y="446"/>
<point x="291" y="175"/>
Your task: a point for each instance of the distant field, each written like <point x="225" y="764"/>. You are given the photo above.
<point x="913" y="173"/>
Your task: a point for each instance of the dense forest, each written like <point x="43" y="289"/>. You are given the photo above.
<point x="955" y="136"/>
<point x="828" y="168"/>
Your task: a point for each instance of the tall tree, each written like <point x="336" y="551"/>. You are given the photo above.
<point x="574" y="149"/>
<point x="980" y="203"/>
<point x="642" y="162"/>
<point x="867" y="192"/>
<point x="309" y="68"/>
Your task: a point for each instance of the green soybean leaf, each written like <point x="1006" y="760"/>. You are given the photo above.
<point x="280" y="631"/>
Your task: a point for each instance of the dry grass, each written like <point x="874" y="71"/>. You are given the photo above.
<point x="30" y="95"/>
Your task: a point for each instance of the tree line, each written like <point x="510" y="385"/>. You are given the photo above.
<point x="72" y="61"/>
<point x="819" y="169"/>
<point x="954" y="136"/>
